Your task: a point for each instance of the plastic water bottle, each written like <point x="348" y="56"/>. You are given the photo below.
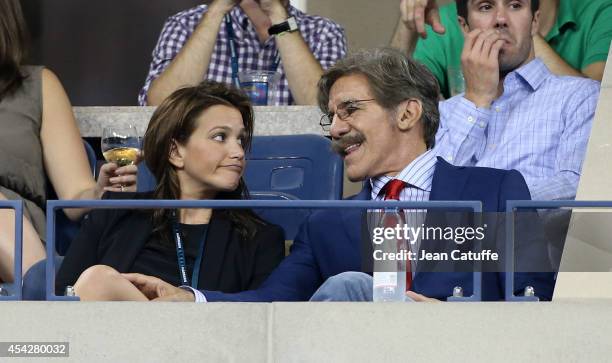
<point x="389" y="286"/>
<point x="389" y="278"/>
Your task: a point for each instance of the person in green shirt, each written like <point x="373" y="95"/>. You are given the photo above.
<point x="573" y="35"/>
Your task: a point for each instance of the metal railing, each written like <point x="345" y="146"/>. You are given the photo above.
<point x="511" y="207"/>
<point x="17" y="206"/>
<point x="53" y="205"/>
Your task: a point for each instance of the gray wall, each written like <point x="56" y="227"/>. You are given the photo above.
<point x="368" y="23"/>
<point x="101" y="50"/>
<point x="588" y="246"/>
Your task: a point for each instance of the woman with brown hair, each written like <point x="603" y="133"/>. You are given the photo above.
<point x="39" y="138"/>
<point x="195" y="147"/>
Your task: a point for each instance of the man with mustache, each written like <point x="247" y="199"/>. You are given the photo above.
<point x="219" y="40"/>
<point x="515" y="113"/>
<point x="382" y="108"/>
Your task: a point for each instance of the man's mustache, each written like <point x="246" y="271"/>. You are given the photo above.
<point x="339" y="145"/>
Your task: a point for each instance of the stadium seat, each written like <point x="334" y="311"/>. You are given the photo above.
<point x="35" y="278"/>
<point x="292" y="167"/>
<point x="303" y="166"/>
<point x="66" y="229"/>
<point x="146" y="180"/>
<point x="285" y="167"/>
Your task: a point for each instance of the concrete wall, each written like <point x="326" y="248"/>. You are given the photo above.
<point x="589" y="246"/>
<point x="568" y="331"/>
<point x="367" y="23"/>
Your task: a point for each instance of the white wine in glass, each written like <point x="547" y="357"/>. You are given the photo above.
<point x="120" y="145"/>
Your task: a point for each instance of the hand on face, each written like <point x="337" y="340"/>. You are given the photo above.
<point x="223" y="6"/>
<point x="158" y="290"/>
<point x="480" y="64"/>
<point x="274" y="9"/>
<point x="416" y="13"/>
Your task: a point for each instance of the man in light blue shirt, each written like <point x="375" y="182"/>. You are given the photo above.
<point x="516" y="114"/>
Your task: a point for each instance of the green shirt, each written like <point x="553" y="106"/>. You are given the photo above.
<point x="581" y="36"/>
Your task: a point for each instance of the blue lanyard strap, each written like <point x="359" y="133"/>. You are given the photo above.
<point x="231" y="35"/>
<point x="232" y="46"/>
<point x="180" y="254"/>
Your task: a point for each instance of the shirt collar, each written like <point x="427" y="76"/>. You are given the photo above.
<point x="533" y="73"/>
<point x="418" y="174"/>
<point x="566" y="17"/>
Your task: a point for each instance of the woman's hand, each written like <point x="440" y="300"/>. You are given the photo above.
<point x="420" y="298"/>
<point x="117" y="179"/>
<point x="157" y="289"/>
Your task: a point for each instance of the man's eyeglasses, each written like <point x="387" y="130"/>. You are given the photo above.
<point x="344" y="110"/>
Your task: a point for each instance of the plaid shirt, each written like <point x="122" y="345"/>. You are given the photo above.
<point x="324" y="37"/>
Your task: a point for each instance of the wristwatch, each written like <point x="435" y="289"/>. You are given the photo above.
<point x="289" y="25"/>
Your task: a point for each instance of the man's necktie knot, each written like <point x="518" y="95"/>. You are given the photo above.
<point x="393" y="189"/>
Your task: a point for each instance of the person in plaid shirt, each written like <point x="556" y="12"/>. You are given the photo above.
<point x="195" y="44"/>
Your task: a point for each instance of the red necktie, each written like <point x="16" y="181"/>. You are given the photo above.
<point x="393" y="189"/>
<point x="392" y="192"/>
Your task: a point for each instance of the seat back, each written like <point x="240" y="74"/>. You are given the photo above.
<point x="292" y="167"/>
<point x="300" y="165"/>
<point x="65" y="229"/>
<point x="146" y="180"/>
<point x="284" y="168"/>
<point x="35" y="278"/>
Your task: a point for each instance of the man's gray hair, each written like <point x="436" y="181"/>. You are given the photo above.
<point x="393" y="78"/>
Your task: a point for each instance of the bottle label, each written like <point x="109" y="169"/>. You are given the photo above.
<point x="385" y="279"/>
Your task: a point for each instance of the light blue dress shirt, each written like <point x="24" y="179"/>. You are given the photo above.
<point x="540" y="126"/>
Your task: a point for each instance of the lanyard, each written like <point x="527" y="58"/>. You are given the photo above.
<point x="231" y="35"/>
<point x="180" y="254"/>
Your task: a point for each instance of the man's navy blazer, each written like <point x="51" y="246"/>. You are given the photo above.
<point x="329" y="243"/>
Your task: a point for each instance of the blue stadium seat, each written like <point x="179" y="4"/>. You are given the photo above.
<point x="285" y="167"/>
<point x="300" y="165"/>
<point x="34" y="280"/>
<point x="146" y="180"/>
<point x="66" y="229"/>
<point x="292" y="167"/>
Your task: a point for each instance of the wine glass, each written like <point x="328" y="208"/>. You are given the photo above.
<point x="120" y="144"/>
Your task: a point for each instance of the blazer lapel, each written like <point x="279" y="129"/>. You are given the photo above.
<point x="356" y="226"/>
<point x="351" y="218"/>
<point x="137" y="231"/>
<point x="217" y="241"/>
<point x="447" y="184"/>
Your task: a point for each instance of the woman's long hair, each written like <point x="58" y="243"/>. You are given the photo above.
<point x="174" y="121"/>
<point x="13" y="45"/>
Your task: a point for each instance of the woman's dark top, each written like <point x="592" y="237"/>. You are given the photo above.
<point x="124" y="240"/>
<point x="158" y="258"/>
